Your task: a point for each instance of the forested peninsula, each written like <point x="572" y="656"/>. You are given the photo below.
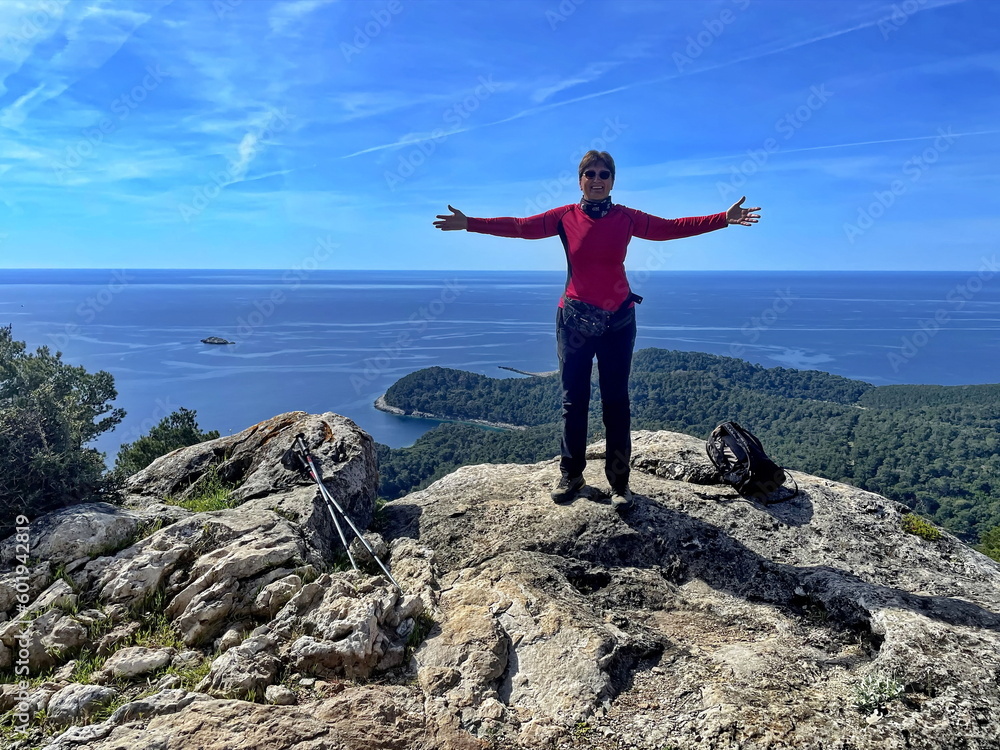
<point x="932" y="448"/>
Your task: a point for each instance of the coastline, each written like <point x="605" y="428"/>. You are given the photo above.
<point x="532" y="374"/>
<point x="381" y="405"/>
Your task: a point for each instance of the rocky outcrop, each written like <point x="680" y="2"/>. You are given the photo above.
<point x="698" y="619"/>
<point x="360" y="717"/>
<point x="124" y="588"/>
<point x="250" y="462"/>
<point x="694" y="619"/>
<point x="87" y="531"/>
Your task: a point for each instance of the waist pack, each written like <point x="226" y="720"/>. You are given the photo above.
<point x="741" y="462"/>
<point x="591" y="320"/>
<point x="588" y="319"/>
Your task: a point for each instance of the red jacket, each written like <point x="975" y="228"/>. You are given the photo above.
<point x="596" y="248"/>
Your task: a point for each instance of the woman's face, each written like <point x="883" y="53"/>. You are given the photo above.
<point x="598" y="186"/>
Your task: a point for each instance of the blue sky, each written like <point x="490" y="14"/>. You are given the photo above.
<point x="328" y="133"/>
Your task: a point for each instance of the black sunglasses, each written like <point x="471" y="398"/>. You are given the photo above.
<point x="591" y="174"/>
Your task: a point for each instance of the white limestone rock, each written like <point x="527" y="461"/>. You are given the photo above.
<point x="77" y="701"/>
<point x="134" y="661"/>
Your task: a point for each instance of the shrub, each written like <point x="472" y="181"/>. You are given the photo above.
<point x="914" y="524"/>
<point x="875" y="690"/>
<point x="49" y="411"/>
<point x="178" y="430"/>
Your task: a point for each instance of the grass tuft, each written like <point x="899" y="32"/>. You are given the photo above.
<point x="422" y="627"/>
<point x="213" y="494"/>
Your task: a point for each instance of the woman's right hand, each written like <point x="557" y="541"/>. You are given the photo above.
<point x="453" y="221"/>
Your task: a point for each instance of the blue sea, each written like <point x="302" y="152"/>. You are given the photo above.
<point x="336" y="340"/>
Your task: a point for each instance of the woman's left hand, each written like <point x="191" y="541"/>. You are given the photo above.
<point x="739" y="215"/>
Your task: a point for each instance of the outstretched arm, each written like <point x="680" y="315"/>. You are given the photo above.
<point x="452" y="222"/>
<point x="529" y="228"/>
<point x="739" y="215"/>
<point x="649" y="227"/>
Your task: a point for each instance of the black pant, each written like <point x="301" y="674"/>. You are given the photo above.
<point x="614" y="363"/>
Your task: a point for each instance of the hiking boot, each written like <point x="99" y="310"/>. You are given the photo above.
<point x="567" y="488"/>
<point x="621" y="499"/>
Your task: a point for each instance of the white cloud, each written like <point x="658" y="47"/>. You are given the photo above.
<point x="128" y="16"/>
<point x="18" y="151"/>
<point x="246" y="152"/>
<point x="13" y="115"/>
<point x="589" y="74"/>
<point x="94" y="34"/>
<point x="25" y="25"/>
<point x="360" y="104"/>
<point x="286" y="14"/>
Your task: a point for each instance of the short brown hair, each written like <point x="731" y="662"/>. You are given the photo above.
<point x="592" y="157"/>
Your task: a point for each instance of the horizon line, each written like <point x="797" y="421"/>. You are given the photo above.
<point x="112" y="269"/>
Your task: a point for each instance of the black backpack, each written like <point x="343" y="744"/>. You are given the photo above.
<point x="740" y="459"/>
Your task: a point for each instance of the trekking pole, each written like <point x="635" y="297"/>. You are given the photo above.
<point x="307" y="462"/>
<point x="331" y="503"/>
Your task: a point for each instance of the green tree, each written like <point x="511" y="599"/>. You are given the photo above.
<point x="989" y="544"/>
<point x="176" y="430"/>
<point x="49" y="411"/>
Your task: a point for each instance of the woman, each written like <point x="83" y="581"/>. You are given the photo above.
<point x="596" y="315"/>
